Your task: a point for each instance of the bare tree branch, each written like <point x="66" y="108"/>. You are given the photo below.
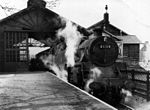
<point x="53" y="3"/>
<point x="8" y="10"/>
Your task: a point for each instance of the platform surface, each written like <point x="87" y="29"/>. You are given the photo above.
<point x="43" y="91"/>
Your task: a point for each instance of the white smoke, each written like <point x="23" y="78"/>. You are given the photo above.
<point x="132" y="102"/>
<point x="95" y="73"/>
<point x="60" y="72"/>
<point x="48" y="60"/>
<point x="145" y="106"/>
<point x="50" y="63"/>
<point x="87" y="88"/>
<point x="126" y="92"/>
<point x="92" y="36"/>
<point x="128" y="96"/>
<point x="72" y="39"/>
<point x="145" y="56"/>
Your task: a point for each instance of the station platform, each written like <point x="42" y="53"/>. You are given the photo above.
<point x="44" y="91"/>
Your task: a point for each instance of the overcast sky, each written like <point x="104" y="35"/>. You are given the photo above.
<point x="132" y="16"/>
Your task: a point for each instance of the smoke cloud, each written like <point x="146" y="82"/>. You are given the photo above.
<point x="49" y="62"/>
<point x="72" y="38"/>
<point x="145" y="56"/>
<point x="60" y="72"/>
<point x="95" y="73"/>
<point x="128" y="98"/>
<point x="132" y="102"/>
<point x="145" y="106"/>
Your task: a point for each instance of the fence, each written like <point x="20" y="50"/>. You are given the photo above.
<point x="142" y="82"/>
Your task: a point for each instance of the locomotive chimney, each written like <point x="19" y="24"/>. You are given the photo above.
<point x="36" y="3"/>
<point x="106" y="16"/>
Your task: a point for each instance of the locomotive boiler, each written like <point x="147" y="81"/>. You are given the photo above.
<point x="97" y="71"/>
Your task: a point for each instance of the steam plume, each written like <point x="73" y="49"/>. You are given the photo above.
<point x="145" y="56"/>
<point x="127" y="97"/>
<point x="145" y="106"/>
<point x="60" y="72"/>
<point x="95" y="73"/>
<point x="49" y="62"/>
<point x="72" y="39"/>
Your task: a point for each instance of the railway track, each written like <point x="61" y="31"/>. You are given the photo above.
<point x="124" y="107"/>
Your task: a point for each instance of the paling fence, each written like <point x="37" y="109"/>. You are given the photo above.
<point x="142" y="82"/>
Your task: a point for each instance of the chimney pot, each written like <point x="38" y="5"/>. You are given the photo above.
<point x="36" y="3"/>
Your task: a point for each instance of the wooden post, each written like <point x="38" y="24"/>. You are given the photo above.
<point x="133" y="75"/>
<point x="148" y="86"/>
<point x="133" y="78"/>
<point x="27" y="47"/>
<point x="69" y="74"/>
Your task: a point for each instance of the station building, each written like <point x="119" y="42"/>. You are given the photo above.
<point x="129" y="45"/>
<point x="41" y="24"/>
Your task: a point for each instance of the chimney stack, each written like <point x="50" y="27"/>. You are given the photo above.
<point x="36" y="3"/>
<point x="106" y="16"/>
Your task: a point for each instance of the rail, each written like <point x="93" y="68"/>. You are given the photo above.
<point x="122" y="106"/>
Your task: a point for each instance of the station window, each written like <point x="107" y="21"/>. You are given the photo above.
<point x="15" y="47"/>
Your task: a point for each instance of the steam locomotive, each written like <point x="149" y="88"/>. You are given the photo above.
<point x="96" y="68"/>
<point x="97" y="71"/>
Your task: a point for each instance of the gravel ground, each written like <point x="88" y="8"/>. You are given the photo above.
<point x="141" y="104"/>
